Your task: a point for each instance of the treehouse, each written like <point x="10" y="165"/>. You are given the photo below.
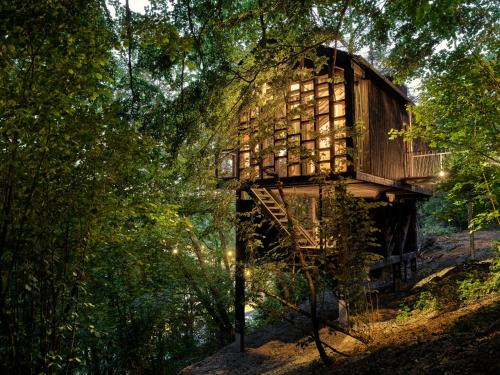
<point x="329" y="124"/>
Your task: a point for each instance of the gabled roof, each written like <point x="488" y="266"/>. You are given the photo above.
<point x="344" y="56"/>
<point x="362" y="61"/>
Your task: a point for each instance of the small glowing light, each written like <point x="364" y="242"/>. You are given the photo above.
<point x="442" y="173"/>
<point x="175" y="251"/>
<point x="248" y="273"/>
<point x="229" y="253"/>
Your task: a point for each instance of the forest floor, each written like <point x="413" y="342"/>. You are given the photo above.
<point x="447" y="335"/>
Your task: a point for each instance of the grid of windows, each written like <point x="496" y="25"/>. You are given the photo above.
<point x="309" y="144"/>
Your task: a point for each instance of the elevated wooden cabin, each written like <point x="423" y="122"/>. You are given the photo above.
<point x="333" y="123"/>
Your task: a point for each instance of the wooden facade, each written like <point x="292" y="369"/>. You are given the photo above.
<point x="336" y="122"/>
<point x="333" y="124"/>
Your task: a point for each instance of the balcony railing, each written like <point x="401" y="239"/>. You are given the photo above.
<point x="425" y="164"/>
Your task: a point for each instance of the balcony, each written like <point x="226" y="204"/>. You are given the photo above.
<point x="424" y="166"/>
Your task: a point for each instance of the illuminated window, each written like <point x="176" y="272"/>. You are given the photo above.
<point x="294" y="86"/>
<point x="227" y="166"/>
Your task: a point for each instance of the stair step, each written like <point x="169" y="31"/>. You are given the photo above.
<point x="261" y="192"/>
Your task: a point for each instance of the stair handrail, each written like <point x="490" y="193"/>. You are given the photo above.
<point x="268" y="210"/>
<point x="301" y="229"/>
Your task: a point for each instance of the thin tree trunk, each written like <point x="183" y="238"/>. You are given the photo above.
<point x="310" y="281"/>
<point x="470" y="214"/>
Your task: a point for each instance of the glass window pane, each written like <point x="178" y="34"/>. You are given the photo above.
<point x="340" y="147"/>
<point x="339" y="109"/>
<point x="227" y="166"/>
<point x="339" y="128"/>
<point x="307" y="114"/>
<point x="322" y="106"/>
<point x="293" y="96"/>
<point x="339" y="76"/>
<point x="324" y="155"/>
<point x="294" y="127"/>
<point x="308" y="149"/>
<point x="322" y="90"/>
<point x="308" y="131"/>
<point x="340" y="164"/>
<point x="244" y="159"/>
<point x="308" y="167"/>
<point x="307" y="86"/>
<point x="294" y="110"/>
<point x="324" y="141"/>
<point x="324" y="125"/>
<point x="294" y="170"/>
<point x="268" y="160"/>
<point x="281" y="134"/>
<point x="324" y="167"/>
<point x="255" y="171"/>
<point x="245" y="141"/>
<point x="308" y="97"/>
<point x="294" y="149"/>
<point x="280" y="148"/>
<point x="339" y="92"/>
<point x="281" y="167"/>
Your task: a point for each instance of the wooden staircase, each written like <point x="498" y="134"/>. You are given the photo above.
<point x="275" y="211"/>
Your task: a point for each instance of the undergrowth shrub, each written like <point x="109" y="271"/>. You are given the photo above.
<point x="403" y="312"/>
<point x="438" y="216"/>
<point x="426" y="302"/>
<point x="470" y="288"/>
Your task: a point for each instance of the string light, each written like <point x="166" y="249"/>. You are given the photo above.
<point x="229" y="253"/>
<point x="442" y="173"/>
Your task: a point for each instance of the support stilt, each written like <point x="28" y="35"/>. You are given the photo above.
<point x="239" y="303"/>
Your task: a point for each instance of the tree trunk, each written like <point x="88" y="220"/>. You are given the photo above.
<point x="310" y="281"/>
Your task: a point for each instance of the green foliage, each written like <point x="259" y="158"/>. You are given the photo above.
<point x="495" y="267"/>
<point x="426" y="302"/>
<point x="451" y="47"/>
<point x="403" y="313"/>
<point x="439" y="216"/>
<point x="114" y="244"/>
<point x="470" y="288"/>
<point x="473" y="286"/>
<point x="350" y="235"/>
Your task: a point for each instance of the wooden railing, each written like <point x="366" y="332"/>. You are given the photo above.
<point x="425" y="164"/>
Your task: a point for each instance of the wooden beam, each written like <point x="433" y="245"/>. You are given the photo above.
<point x="391" y="183"/>
<point x="393" y="259"/>
<point x="239" y="285"/>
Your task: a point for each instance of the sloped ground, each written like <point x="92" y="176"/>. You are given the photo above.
<point x="455" y="337"/>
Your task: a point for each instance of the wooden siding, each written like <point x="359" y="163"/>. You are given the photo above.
<point x="362" y="118"/>
<point x="327" y="125"/>
<point x="386" y="111"/>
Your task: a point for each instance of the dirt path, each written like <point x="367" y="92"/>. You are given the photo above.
<point x="455" y="338"/>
